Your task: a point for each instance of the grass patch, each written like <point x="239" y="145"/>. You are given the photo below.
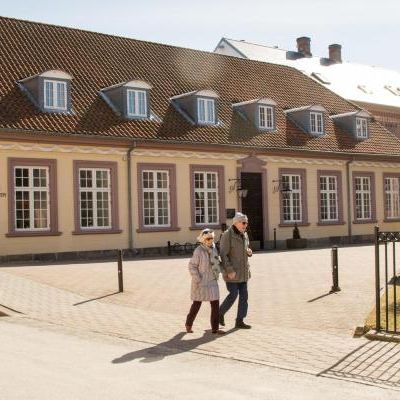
<point x="371" y="319"/>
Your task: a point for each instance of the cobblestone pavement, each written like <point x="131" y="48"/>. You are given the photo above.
<point x="297" y="324"/>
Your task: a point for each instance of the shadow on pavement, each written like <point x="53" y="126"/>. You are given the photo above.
<point x="97" y="298"/>
<point x="171" y="347"/>
<point x="373" y="363"/>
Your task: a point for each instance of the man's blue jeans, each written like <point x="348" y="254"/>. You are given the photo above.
<point x="235" y="289"/>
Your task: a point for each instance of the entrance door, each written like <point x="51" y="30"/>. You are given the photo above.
<point x="252" y="205"/>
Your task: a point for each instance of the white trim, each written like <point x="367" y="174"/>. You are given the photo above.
<point x="206" y="191"/>
<point x="94" y="190"/>
<point x="288" y="196"/>
<point x="361" y="128"/>
<point x="206" y="111"/>
<point x="316" y="123"/>
<point x="328" y="192"/>
<point x="139" y="97"/>
<point x="31" y="189"/>
<point x="363" y="195"/>
<point x="156" y="191"/>
<point x="392" y="196"/>
<point x="56" y="95"/>
<point x="268" y="121"/>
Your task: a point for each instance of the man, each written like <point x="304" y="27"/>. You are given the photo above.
<point x="234" y="252"/>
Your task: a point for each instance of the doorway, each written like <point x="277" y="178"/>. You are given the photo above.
<point x="252" y="205"/>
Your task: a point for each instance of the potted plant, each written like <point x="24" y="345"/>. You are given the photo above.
<point x="296" y="242"/>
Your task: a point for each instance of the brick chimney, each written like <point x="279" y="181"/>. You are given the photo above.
<point x="335" y="53"/>
<point x="303" y="46"/>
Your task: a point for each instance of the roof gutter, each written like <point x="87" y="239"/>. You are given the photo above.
<point x="349" y="191"/>
<point x="130" y="205"/>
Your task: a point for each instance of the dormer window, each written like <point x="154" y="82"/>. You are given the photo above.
<point x="130" y="100"/>
<point x="266" y="117"/>
<point x="136" y="103"/>
<point x="205" y="111"/>
<point x="198" y="107"/>
<point x="55" y="95"/>
<point x="310" y="119"/>
<point x="261" y="111"/>
<point x="316" y="123"/>
<point x="355" y="122"/>
<point x="361" y="128"/>
<point x="49" y="91"/>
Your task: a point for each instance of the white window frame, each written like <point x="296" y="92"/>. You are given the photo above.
<point x="363" y="198"/>
<point x="392" y="196"/>
<point x="31" y="189"/>
<point x="361" y="128"/>
<point x="156" y="191"/>
<point x="206" y="111"/>
<point x="266" y="117"/>
<point x="56" y="95"/>
<point x="316" y="122"/>
<point x="94" y="189"/>
<point x="137" y="108"/>
<point x="329" y="198"/>
<point x="207" y="192"/>
<point x="289" y="195"/>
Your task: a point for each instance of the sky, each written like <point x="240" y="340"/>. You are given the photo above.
<point x="369" y="31"/>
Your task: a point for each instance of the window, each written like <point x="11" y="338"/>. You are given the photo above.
<point x="31" y="198"/>
<point x="361" y="128"/>
<point x="291" y="198"/>
<point x="365" y="89"/>
<point x="206" y="197"/>
<point x="316" y="123"/>
<point x="363" y="198"/>
<point x="266" y="117"/>
<point x="55" y="95"/>
<point x="328" y="186"/>
<point x="206" y="111"/>
<point x="136" y="103"/>
<point x="392" y="197"/>
<point x="156" y="202"/>
<point x="94" y="198"/>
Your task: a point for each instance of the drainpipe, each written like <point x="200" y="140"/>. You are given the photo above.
<point x="349" y="203"/>
<point x="130" y="213"/>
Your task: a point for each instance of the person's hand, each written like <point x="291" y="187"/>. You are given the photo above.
<point x="249" y="252"/>
<point x="232" y="275"/>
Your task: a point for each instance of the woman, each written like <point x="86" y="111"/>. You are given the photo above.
<point x="204" y="268"/>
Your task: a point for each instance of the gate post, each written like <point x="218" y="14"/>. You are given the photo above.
<point x="120" y="276"/>
<point x="335" y="270"/>
<point x="377" y="281"/>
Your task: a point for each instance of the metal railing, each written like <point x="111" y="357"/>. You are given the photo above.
<point x="386" y="310"/>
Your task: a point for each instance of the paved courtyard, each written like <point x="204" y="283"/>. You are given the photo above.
<point x="297" y="324"/>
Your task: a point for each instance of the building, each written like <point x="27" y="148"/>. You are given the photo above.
<point x="375" y="89"/>
<point x="108" y="142"/>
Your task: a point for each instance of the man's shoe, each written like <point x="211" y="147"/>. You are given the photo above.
<point x="221" y="320"/>
<point x="188" y="329"/>
<point x="219" y="332"/>
<point x="241" y="325"/>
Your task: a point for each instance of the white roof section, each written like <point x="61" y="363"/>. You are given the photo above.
<point x="357" y="82"/>
<point x="262" y="100"/>
<point x="316" y="107"/>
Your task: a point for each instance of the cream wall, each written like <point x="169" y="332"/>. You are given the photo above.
<point x="65" y="155"/>
<point x="182" y="160"/>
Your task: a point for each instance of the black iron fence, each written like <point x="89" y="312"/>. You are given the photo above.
<point x="387" y="306"/>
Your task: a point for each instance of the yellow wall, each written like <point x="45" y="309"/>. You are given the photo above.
<point x="65" y="156"/>
<point x="66" y="241"/>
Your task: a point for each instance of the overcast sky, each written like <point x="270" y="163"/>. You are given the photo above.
<point x="369" y="31"/>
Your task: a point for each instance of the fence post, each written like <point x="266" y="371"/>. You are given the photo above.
<point x="169" y="247"/>
<point x="120" y="275"/>
<point x="377" y="281"/>
<point x="274" y="238"/>
<point x="335" y="270"/>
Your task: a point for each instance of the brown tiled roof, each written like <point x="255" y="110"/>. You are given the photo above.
<point x="97" y="61"/>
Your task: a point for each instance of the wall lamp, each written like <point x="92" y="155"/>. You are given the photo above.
<point x="237" y="185"/>
<point x="280" y="186"/>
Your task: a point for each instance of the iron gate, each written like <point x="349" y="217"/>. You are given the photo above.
<point x="386" y="306"/>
